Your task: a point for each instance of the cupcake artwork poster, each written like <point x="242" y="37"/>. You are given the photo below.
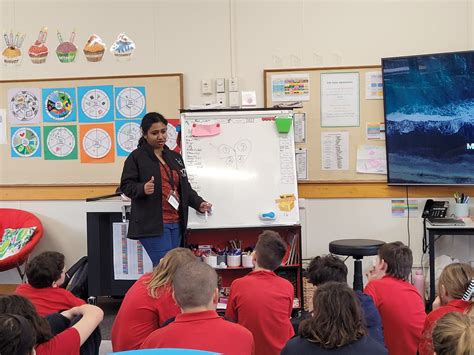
<point x="38" y="51"/>
<point x="11" y="54"/>
<point x="66" y="50"/>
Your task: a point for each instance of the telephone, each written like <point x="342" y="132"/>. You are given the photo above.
<point x="437" y="209"/>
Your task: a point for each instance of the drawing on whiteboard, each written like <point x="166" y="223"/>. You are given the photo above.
<point x="236" y="155"/>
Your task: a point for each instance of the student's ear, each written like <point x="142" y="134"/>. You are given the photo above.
<point x="443" y="294"/>
<point x="254" y="258"/>
<point x="215" y="296"/>
<point x="383" y="265"/>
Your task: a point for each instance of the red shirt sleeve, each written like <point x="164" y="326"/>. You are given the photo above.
<point x="426" y="342"/>
<point x="370" y="290"/>
<point x="65" y="343"/>
<point x="230" y="312"/>
<point x="73" y="300"/>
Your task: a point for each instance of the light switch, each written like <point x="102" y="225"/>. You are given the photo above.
<point x="206" y="88"/>
<point x="220" y="85"/>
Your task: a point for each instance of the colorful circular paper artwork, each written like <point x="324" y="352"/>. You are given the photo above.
<point x="24" y="106"/>
<point x="95" y="104"/>
<point x="25" y="142"/>
<point x="128" y="136"/>
<point x="97" y="143"/>
<point x="58" y="105"/>
<point x="61" y="142"/>
<point x="130" y="102"/>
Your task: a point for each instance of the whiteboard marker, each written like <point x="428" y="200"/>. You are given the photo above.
<point x="205" y="215"/>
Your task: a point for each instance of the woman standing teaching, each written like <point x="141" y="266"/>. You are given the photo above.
<point x="155" y="179"/>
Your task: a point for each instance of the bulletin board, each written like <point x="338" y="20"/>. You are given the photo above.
<point x="127" y="99"/>
<point x="369" y="111"/>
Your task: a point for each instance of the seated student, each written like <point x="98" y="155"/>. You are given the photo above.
<point x="45" y="273"/>
<point x="330" y="268"/>
<point x="199" y="327"/>
<point x="149" y="302"/>
<point x="64" y="343"/>
<point x="17" y="336"/>
<point x="262" y="301"/>
<point x="454" y="334"/>
<point x="400" y="305"/>
<point x="337" y="325"/>
<point x="453" y="283"/>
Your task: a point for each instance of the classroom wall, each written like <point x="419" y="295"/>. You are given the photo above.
<point x="210" y="39"/>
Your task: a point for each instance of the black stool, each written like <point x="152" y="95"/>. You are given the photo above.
<point x="357" y="248"/>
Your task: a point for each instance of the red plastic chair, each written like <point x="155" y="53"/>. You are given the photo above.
<point x="13" y="218"/>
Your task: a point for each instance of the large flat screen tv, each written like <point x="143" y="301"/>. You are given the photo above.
<point x="429" y="118"/>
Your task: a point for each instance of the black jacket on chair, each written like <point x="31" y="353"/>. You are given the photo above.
<point x="146" y="218"/>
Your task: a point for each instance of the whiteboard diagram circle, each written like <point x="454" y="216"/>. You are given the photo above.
<point x="25" y="142"/>
<point x="60" y="142"/>
<point x="95" y="104"/>
<point x="130" y="102"/>
<point x="97" y="143"/>
<point x="128" y="136"/>
<point x="24" y="106"/>
<point x="58" y="105"/>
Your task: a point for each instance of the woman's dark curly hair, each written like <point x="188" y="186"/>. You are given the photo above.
<point x="17" y="336"/>
<point x="337" y="317"/>
<point x="20" y="306"/>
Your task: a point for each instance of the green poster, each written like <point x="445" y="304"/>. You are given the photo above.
<point x="60" y="142"/>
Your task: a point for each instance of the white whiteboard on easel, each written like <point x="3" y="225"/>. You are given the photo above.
<point x="245" y="170"/>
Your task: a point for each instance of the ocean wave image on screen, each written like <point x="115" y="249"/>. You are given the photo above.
<point x="429" y="111"/>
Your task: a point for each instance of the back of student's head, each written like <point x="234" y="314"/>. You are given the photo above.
<point x="454" y="334"/>
<point x="337" y="317"/>
<point x="455" y="279"/>
<point x="399" y="259"/>
<point x="326" y="268"/>
<point x="194" y="285"/>
<point x="20" y="306"/>
<point x="164" y="272"/>
<point x="44" y="269"/>
<point x="17" y="336"/>
<point x="270" y="250"/>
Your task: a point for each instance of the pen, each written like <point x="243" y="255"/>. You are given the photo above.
<point x="205" y="215"/>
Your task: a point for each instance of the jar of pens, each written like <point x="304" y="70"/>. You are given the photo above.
<point x="461" y="206"/>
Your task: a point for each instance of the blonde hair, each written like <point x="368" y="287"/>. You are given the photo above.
<point x="455" y="278"/>
<point x="163" y="273"/>
<point x="454" y="334"/>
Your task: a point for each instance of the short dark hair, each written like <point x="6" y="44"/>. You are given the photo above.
<point x="399" y="259"/>
<point x="337" y="317"/>
<point x="17" y="336"/>
<point x="270" y="250"/>
<point x="326" y="268"/>
<point x="194" y="284"/>
<point x="44" y="269"/>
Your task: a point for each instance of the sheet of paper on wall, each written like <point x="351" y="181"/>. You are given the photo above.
<point x="400" y="208"/>
<point x="3" y="126"/>
<point x="371" y="159"/>
<point x="130" y="258"/>
<point x="302" y="163"/>
<point x="376" y="131"/>
<point x="299" y="120"/>
<point x="290" y="87"/>
<point x="373" y="85"/>
<point x="340" y="100"/>
<point x="335" y="151"/>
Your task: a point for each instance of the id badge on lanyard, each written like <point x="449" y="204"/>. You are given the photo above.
<point x="173" y="199"/>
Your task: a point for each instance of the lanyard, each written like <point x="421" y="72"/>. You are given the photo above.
<point x="169" y="174"/>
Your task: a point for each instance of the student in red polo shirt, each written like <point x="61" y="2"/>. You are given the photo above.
<point x="453" y="283"/>
<point x="262" y="301"/>
<point x="149" y="302"/>
<point x="45" y="273"/>
<point x="400" y="305"/>
<point x="67" y="342"/>
<point x="199" y="327"/>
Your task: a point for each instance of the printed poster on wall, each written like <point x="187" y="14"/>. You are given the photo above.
<point x="24" y="106"/>
<point x="290" y="87"/>
<point x="25" y="142"/>
<point x="335" y="151"/>
<point x="60" y="142"/>
<point x="59" y="105"/>
<point x="3" y="126"/>
<point x="128" y="132"/>
<point x="130" y="102"/>
<point x="97" y="143"/>
<point x="340" y="100"/>
<point x="96" y="103"/>
<point x="131" y="260"/>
